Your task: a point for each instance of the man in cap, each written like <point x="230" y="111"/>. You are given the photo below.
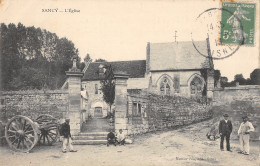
<point x="65" y="133"/>
<point x="225" y="129"/>
<point x="244" y="134"/>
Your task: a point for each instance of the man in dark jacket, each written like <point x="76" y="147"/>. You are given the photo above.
<point x="65" y="134"/>
<point x="111" y="138"/>
<point x="225" y="129"/>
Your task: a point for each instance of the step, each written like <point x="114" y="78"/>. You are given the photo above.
<point x="89" y="142"/>
<point x="91" y="137"/>
<point x="93" y="134"/>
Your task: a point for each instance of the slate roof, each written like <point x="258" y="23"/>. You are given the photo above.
<point x="135" y="69"/>
<point x="178" y="56"/>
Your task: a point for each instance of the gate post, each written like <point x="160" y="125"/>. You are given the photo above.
<point x="74" y="87"/>
<point x="121" y="101"/>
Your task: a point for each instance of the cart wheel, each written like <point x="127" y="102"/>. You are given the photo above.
<point x="20" y="134"/>
<point x="49" y="129"/>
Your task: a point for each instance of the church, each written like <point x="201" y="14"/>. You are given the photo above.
<point x="174" y="68"/>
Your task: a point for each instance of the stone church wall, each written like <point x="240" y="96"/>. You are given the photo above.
<point x="33" y="103"/>
<point x="238" y="101"/>
<point x="183" y="76"/>
<point x="160" y="112"/>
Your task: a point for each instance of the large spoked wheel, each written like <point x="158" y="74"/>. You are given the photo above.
<point x="49" y="129"/>
<point x="21" y="133"/>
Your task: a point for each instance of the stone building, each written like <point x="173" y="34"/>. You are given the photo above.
<point x="174" y="68"/>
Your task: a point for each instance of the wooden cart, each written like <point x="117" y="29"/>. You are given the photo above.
<point x="22" y="133"/>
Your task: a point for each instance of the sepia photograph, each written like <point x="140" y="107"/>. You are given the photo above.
<point x="129" y="83"/>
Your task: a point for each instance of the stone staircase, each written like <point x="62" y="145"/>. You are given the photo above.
<point x="90" y="138"/>
<point x="93" y="132"/>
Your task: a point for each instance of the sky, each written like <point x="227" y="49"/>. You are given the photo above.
<point x="119" y="30"/>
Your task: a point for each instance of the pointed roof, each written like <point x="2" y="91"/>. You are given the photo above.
<point x="178" y="56"/>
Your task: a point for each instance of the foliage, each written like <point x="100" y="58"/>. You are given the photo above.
<point x="87" y="58"/>
<point x="204" y="74"/>
<point x="32" y="58"/>
<point x="255" y="77"/>
<point x="216" y="77"/>
<point x="100" y="60"/>
<point x="253" y="80"/>
<point x="108" y="86"/>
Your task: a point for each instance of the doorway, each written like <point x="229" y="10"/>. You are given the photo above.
<point x="98" y="112"/>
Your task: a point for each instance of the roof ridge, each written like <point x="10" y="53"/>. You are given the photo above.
<point x="178" y="42"/>
<point x="120" y="61"/>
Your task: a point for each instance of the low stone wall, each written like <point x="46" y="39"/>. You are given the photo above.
<point x="160" y="112"/>
<point x="228" y="95"/>
<point x="238" y="101"/>
<point x="33" y="103"/>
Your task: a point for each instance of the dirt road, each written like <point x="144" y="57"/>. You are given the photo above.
<point x="185" y="146"/>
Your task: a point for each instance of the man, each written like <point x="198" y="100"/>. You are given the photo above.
<point x="225" y="129"/>
<point x="121" y="137"/>
<point x="244" y="134"/>
<point x="65" y="134"/>
<point x="111" y="138"/>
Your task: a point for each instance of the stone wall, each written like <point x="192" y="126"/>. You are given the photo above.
<point x="184" y="77"/>
<point x="238" y="101"/>
<point x="228" y="95"/>
<point x="155" y="112"/>
<point x="33" y="103"/>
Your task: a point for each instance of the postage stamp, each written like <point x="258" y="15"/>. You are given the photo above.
<point x="239" y="23"/>
<point x="208" y="26"/>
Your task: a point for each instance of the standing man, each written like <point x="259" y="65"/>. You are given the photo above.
<point x="225" y="129"/>
<point x="244" y="134"/>
<point x="65" y="133"/>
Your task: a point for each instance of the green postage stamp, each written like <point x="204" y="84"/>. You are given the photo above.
<point x="238" y="23"/>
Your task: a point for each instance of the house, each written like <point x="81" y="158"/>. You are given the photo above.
<point x="175" y="68"/>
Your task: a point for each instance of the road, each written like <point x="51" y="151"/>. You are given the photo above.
<point x="184" y="146"/>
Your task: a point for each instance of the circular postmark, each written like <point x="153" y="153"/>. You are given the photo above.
<point x="209" y="25"/>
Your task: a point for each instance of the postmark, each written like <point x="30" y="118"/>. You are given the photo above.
<point x="240" y="14"/>
<point x="207" y="27"/>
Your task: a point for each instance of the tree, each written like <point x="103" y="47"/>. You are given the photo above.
<point x="87" y="58"/>
<point x="108" y="86"/>
<point x="35" y="56"/>
<point x="100" y="60"/>
<point x="255" y="77"/>
<point x="217" y="76"/>
<point x="240" y="78"/>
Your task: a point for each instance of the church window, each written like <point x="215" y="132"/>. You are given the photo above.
<point x="196" y="86"/>
<point x="165" y="87"/>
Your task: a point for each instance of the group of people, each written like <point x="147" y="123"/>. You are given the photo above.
<point x="225" y="129"/>
<point x="65" y="134"/>
<point x="119" y="138"/>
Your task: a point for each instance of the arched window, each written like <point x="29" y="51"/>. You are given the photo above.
<point x="196" y="86"/>
<point x="165" y="87"/>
